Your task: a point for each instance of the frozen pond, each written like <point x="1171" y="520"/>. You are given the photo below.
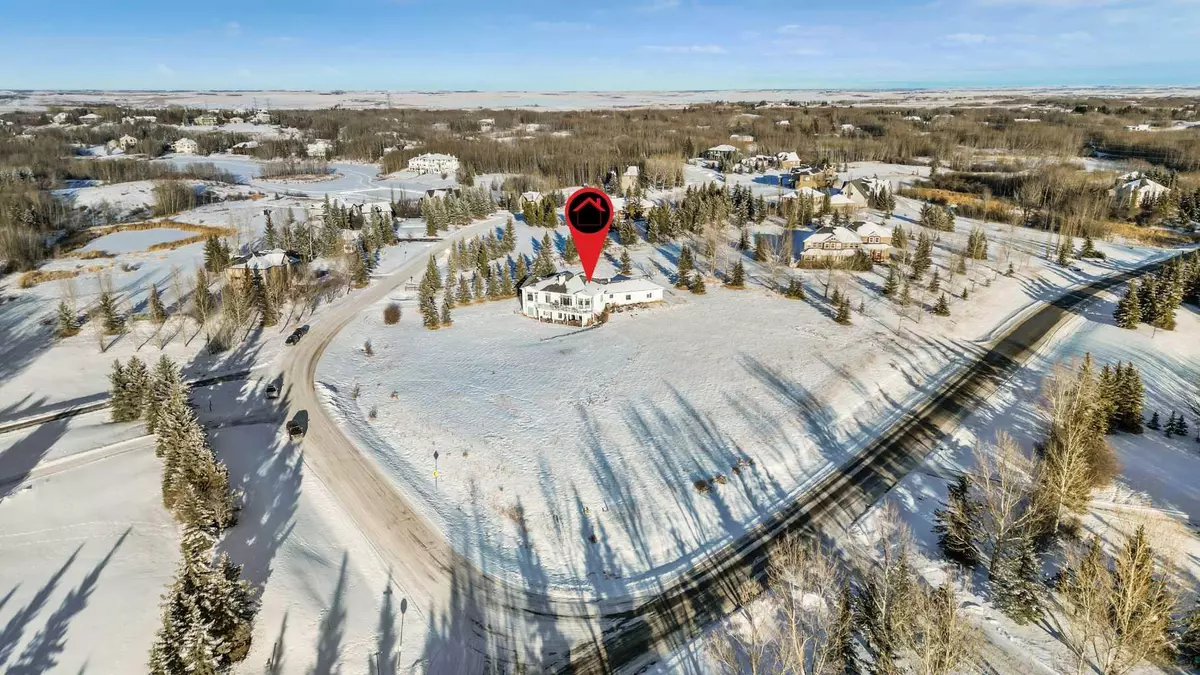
<point x="134" y="241"/>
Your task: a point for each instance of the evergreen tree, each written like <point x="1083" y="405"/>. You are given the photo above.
<point x="432" y="276"/>
<point x="1129" y="310"/>
<point x="957" y="524"/>
<point x="477" y="287"/>
<point x="120" y="409"/>
<point x="626" y="263"/>
<point x="1010" y="271"/>
<point x="737" y="277"/>
<point x="464" y="291"/>
<point x="977" y="244"/>
<point x="509" y="240"/>
<point x="1016" y="582"/>
<point x="163" y="382"/>
<point x="270" y="238"/>
<point x="627" y="233"/>
<point x="892" y="284"/>
<point x="839" y="636"/>
<point x="843" y="312"/>
<point x="522" y="272"/>
<point x="445" y="316"/>
<point x="685" y="267"/>
<point x="965" y="295"/>
<point x="356" y="262"/>
<point x="506" y="282"/>
<point x="899" y="238"/>
<point x="1089" y="248"/>
<point x="884" y="607"/>
<point x="795" y="289"/>
<point x="935" y="282"/>
<point x="1065" y="247"/>
<point x="942" y="308"/>
<point x="114" y="323"/>
<point x="1189" y="639"/>
<point x="1107" y="395"/>
<point x="158" y="313"/>
<point x="1129" y="399"/>
<point x="429" y="312"/>
<point x="1170" y="428"/>
<point x="570" y="253"/>
<point x="68" y="323"/>
<point x="905" y="295"/>
<point x="697" y="286"/>
<point x="137" y="386"/>
<point x="1154" y="423"/>
<point x="448" y="295"/>
<point x="923" y="257"/>
<point x="258" y="298"/>
<point x="1181" y="426"/>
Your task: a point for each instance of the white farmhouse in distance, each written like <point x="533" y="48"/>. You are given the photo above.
<point x="127" y="141"/>
<point x="60" y="118"/>
<point x="567" y="297"/>
<point x="90" y="118"/>
<point x="1135" y="192"/>
<point x="186" y="146"/>
<point x="319" y="148"/>
<point x="261" y="117"/>
<point x="434" y="162"/>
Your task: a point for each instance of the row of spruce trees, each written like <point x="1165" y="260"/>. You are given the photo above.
<point x="1155" y="300"/>
<point x="208" y="610"/>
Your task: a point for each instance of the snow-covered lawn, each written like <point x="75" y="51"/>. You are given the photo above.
<point x="80" y="580"/>
<point x="558" y="436"/>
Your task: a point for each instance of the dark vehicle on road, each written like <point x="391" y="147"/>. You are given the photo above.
<point x="272" y="391"/>
<point x="296" y="335"/>
<point x="298" y="426"/>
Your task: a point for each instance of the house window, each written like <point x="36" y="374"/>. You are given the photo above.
<point x="566" y="301"/>
<point x="529" y="297"/>
<point x="649" y="296"/>
<point x="546" y="297"/>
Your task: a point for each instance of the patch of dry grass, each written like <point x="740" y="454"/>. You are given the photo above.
<point x="84" y="237"/>
<point x="1150" y="236"/>
<point x="31" y="279"/>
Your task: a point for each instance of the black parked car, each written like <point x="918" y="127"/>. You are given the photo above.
<point x="296" y="335"/>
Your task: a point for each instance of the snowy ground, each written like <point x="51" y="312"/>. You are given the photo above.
<point x="329" y="604"/>
<point x="568" y="434"/>
<point x="1156" y="486"/>
<point x="80" y="586"/>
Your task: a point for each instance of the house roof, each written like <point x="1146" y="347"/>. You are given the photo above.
<point x="434" y="155"/>
<point x="722" y="148"/>
<point x="633" y="171"/>
<point x="1144" y="184"/>
<point x="832" y="233"/>
<point x="787" y="157"/>
<point x="868" y="228"/>
<point x="261" y="260"/>
<point x="531" y="196"/>
<point x="571" y="283"/>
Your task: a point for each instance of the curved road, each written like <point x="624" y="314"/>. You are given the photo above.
<point x="477" y="620"/>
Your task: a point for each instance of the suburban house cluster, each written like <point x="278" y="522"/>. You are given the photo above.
<point x="568" y="298"/>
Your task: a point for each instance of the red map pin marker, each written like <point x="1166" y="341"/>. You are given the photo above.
<point x="589" y="213"/>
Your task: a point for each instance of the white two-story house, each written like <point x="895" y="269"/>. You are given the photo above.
<point x="568" y="298"/>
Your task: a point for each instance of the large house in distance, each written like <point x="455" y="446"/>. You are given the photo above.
<point x="434" y="162"/>
<point x="872" y="238"/>
<point x="567" y="297"/>
<point x="186" y="146"/>
<point x="269" y="264"/>
<point x="1134" y="188"/>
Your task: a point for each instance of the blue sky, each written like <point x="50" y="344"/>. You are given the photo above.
<point x="609" y="44"/>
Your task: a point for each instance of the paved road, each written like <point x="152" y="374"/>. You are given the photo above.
<point x="477" y="620"/>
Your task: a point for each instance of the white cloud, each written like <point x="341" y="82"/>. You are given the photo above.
<point x="790" y="28"/>
<point x="969" y="38"/>
<point x="685" y="49"/>
<point x="233" y="29"/>
<point x="163" y="69"/>
<point x="562" y="25"/>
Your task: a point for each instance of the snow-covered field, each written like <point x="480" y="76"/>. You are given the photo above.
<point x="1156" y="485"/>
<point x="558" y="435"/>
<point x="80" y="582"/>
